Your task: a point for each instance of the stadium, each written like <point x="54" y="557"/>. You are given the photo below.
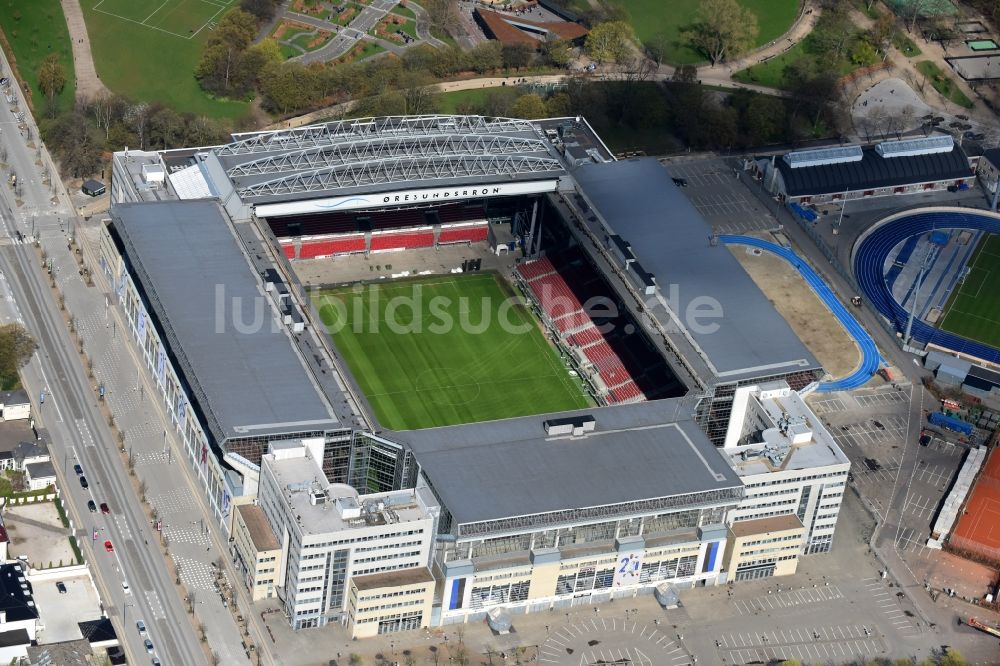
<point x="958" y="313"/>
<point x="494" y="309"/>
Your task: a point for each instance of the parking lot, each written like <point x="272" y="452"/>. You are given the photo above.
<point x="838" y="643"/>
<point x="721" y="196"/>
<point x="612" y="640"/>
<point x="788" y="599"/>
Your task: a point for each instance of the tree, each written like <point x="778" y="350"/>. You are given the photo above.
<point x="219" y="70"/>
<point x="264" y="10"/>
<point x="657" y="47"/>
<point x="763" y="119"/>
<point x="16" y="349"/>
<point x="516" y="55"/>
<point x="287" y="86"/>
<point x="724" y="29"/>
<point x="911" y="10"/>
<point x="51" y="80"/>
<point x="610" y="41"/>
<point x="76" y="144"/>
<point x="863" y="53"/>
<point x="529" y="106"/>
<point x="485" y="57"/>
<point x="166" y="128"/>
<point x="558" y="52"/>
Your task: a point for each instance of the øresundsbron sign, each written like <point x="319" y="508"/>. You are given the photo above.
<point x="403" y="198"/>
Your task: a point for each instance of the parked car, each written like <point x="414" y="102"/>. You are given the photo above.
<point x="92" y="506"/>
<point x="109" y="547"/>
<point x="149" y="645"/>
<point x="78" y="470"/>
<point x="141" y="626"/>
<point x="105" y="509"/>
<point x="84" y="483"/>
<point x="680" y="182"/>
<point x="61" y="586"/>
<point x="156" y="662"/>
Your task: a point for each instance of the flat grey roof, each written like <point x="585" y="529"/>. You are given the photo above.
<point x="670" y="238"/>
<point x="501" y="469"/>
<point x="248" y="383"/>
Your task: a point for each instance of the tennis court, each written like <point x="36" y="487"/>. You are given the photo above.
<point x="978" y="529"/>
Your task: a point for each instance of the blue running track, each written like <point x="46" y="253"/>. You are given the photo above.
<point x="870" y="358"/>
<point x="869" y="266"/>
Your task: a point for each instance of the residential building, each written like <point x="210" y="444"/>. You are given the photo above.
<point x="17" y="603"/>
<point x="14" y="405"/>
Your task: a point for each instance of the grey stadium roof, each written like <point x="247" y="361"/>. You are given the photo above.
<point x="874" y="171"/>
<point x="502" y="469"/>
<point x="246" y="384"/>
<point x="392" y="153"/>
<point x="671" y="240"/>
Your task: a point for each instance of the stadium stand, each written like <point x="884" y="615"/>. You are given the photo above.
<point x="574" y="321"/>
<point x="466" y="233"/>
<point x="288" y="249"/>
<point x="627" y="392"/>
<point x="331" y="246"/>
<point x="555" y="296"/>
<point x="406" y="240"/>
<point x="530" y="270"/>
<point x="588" y="336"/>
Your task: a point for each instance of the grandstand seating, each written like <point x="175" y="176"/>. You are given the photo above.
<point x="402" y="240"/>
<point x="555" y="296"/>
<point x="330" y="246"/>
<point x="586" y="337"/>
<point x="530" y="270"/>
<point x="572" y="322"/>
<point x="464" y="234"/>
<point x="627" y="392"/>
<point x="289" y="250"/>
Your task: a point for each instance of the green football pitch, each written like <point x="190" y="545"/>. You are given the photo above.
<point x="973" y="309"/>
<point x="447" y="350"/>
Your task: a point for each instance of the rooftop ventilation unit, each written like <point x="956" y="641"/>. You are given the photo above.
<point x="931" y="145"/>
<point x="824" y="156"/>
<point x="153" y="174"/>
<point x="575" y="425"/>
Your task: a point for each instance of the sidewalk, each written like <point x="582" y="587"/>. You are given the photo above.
<point x="88" y="84"/>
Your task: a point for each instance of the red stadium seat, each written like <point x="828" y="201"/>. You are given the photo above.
<point x="331" y="246"/>
<point x="464" y="234"/>
<point x="402" y="240"/>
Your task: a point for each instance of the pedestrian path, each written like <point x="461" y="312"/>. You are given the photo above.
<point x="870" y="359"/>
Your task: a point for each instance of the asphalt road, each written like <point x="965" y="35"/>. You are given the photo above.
<point x="79" y="432"/>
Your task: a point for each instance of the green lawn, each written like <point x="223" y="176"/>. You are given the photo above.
<point x="943" y="83"/>
<point x="653" y="17"/>
<point x="448" y="359"/>
<point x="772" y="72"/>
<point x="449" y="101"/>
<point x="147" y="50"/>
<point x="404" y="11"/>
<point x="34" y="29"/>
<point x="905" y="45"/>
<point x="973" y="309"/>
